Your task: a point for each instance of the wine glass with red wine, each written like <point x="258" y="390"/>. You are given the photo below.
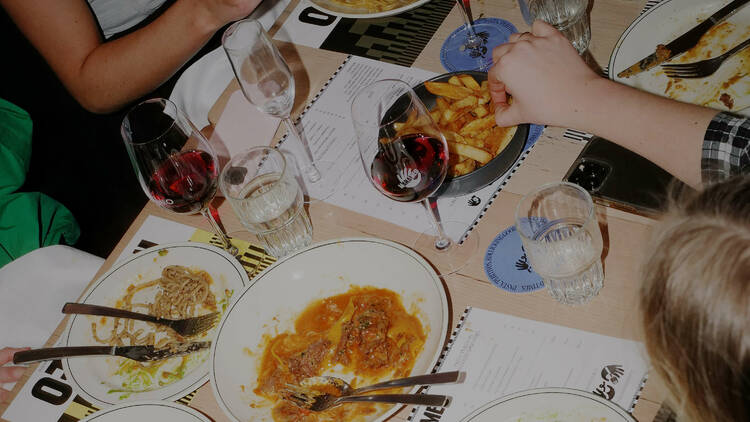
<point x="174" y="162"/>
<point x="407" y="165"/>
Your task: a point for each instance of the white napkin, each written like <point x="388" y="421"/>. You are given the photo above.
<point x="34" y="288"/>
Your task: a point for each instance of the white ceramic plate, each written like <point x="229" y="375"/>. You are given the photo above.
<point x="93" y="377"/>
<point x="665" y="22"/>
<point x="350" y="12"/>
<point x="271" y="304"/>
<point x="549" y="405"/>
<point x="146" y="410"/>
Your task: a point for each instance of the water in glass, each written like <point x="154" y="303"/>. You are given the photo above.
<point x="561" y="236"/>
<point x="267" y="200"/>
<point x="569" y="16"/>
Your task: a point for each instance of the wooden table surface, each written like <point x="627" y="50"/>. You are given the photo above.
<point x="613" y="312"/>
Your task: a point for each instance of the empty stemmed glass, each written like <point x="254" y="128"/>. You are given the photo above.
<point x="470" y="46"/>
<point x="267" y="82"/>
<point x="174" y="162"/>
<point x="407" y="165"/>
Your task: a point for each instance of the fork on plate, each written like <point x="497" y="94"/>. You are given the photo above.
<point x="702" y="68"/>
<point x="187" y="327"/>
<point x="323" y="402"/>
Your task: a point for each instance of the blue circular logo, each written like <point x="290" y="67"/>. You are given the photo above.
<point x="507" y="266"/>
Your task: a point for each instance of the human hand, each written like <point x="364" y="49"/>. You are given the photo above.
<point x="9" y="373"/>
<point x="544" y="74"/>
<point x="221" y="12"/>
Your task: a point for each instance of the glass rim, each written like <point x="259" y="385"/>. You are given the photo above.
<point x="547" y="186"/>
<point x="410" y="91"/>
<point x="233" y="27"/>
<point x="130" y="140"/>
<point x="244" y="153"/>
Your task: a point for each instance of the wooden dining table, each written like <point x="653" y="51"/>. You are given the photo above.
<point x="614" y="312"/>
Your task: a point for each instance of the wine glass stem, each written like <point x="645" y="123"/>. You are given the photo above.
<point x="219" y="232"/>
<point x="472" y="40"/>
<point x="442" y="242"/>
<point x="308" y="167"/>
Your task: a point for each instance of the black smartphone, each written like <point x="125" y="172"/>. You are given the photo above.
<point x="619" y="178"/>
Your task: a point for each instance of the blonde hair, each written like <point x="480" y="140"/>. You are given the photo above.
<point x="695" y="303"/>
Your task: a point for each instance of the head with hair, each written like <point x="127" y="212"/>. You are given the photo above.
<point x="695" y="302"/>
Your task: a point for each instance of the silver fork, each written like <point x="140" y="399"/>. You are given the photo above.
<point x="702" y="68"/>
<point x="326" y="401"/>
<point x="187" y="327"/>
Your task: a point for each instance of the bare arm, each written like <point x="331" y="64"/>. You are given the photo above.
<point x="552" y="85"/>
<point x="104" y="76"/>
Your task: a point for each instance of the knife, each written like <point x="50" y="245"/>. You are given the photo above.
<point x="139" y="353"/>
<point x="682" y="43"/>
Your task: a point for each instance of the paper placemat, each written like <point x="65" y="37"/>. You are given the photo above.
<point x="47" y="396"/>
<point x="395" y="39"/>
<point x="503" y="354"/>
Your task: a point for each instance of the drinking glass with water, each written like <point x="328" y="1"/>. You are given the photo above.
<point x="560" y="234"/>
<point x="570" y="17"/>
<point x="266" y="197"/>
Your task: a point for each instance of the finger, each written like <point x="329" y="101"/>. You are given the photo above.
<point x="4" y="396"/>
<point x="518" y="36"/>
<point x="11" y="373"/>
<point x="507" y="115"/>
<point x="498" y="94"/>
<point x="500" y="51"/>
<point x="6" y="353"/>
<point x="541" y="28"/>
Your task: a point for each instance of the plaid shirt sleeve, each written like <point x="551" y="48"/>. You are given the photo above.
<point x="726" y="148"/>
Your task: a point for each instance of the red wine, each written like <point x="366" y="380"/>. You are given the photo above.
<point x="410" y="168"/>
<point x="185" y="182"/>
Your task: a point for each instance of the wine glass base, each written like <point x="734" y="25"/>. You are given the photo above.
<point x="323" y="188"/>
<point x="456" y="256"/>
<point x="456" y="57"/>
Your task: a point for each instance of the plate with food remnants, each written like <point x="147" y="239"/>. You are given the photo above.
<point x="148" y="410"/>
<point x="728" y="89"/>
<point x="362" y="309"/>
<point x="366" y="9"/>
<point x="550" y="405"/>
<point x="175" y="281"/>
<point x="480" y="151"/>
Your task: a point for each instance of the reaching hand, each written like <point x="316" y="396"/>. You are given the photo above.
<point x="544" y="74"/>
<point x="9" y="373"/>
<point x="225" y="11"/>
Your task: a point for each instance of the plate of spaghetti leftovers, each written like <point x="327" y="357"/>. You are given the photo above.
<point x="728" y="89"/>
<point x="366" y="9"/>
<point x="362" y="309"/>
<point x="174" y="281"/>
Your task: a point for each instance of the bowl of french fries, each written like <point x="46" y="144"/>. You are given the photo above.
<point x="479" y="150"/>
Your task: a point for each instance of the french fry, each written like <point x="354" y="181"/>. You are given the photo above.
<point x="469" y="151"/>
<point x="465" y="166"/>
<point x="435" y="114"/>
<point x="469" y="101"/>
<point x="480" y="111"/>
<point x="453" y="80"/>
<point x="442" y="104"/>
<point x="478" y="125"/>
<point x="469" y="82"/>
<point x="447" y="90"/>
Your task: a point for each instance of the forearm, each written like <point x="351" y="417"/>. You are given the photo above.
<point x="120" y="71"/>
<point x="667" y="132"/>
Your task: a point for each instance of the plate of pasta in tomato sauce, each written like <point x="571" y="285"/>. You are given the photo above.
<point x="175" y="281"/>
<point x="362" y="309"/>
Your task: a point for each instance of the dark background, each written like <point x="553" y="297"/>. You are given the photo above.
<point x="78" y="158"/>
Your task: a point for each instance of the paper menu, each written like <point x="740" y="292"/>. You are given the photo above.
<point x="326" y="123"/>
<point x="503" y="354"/>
